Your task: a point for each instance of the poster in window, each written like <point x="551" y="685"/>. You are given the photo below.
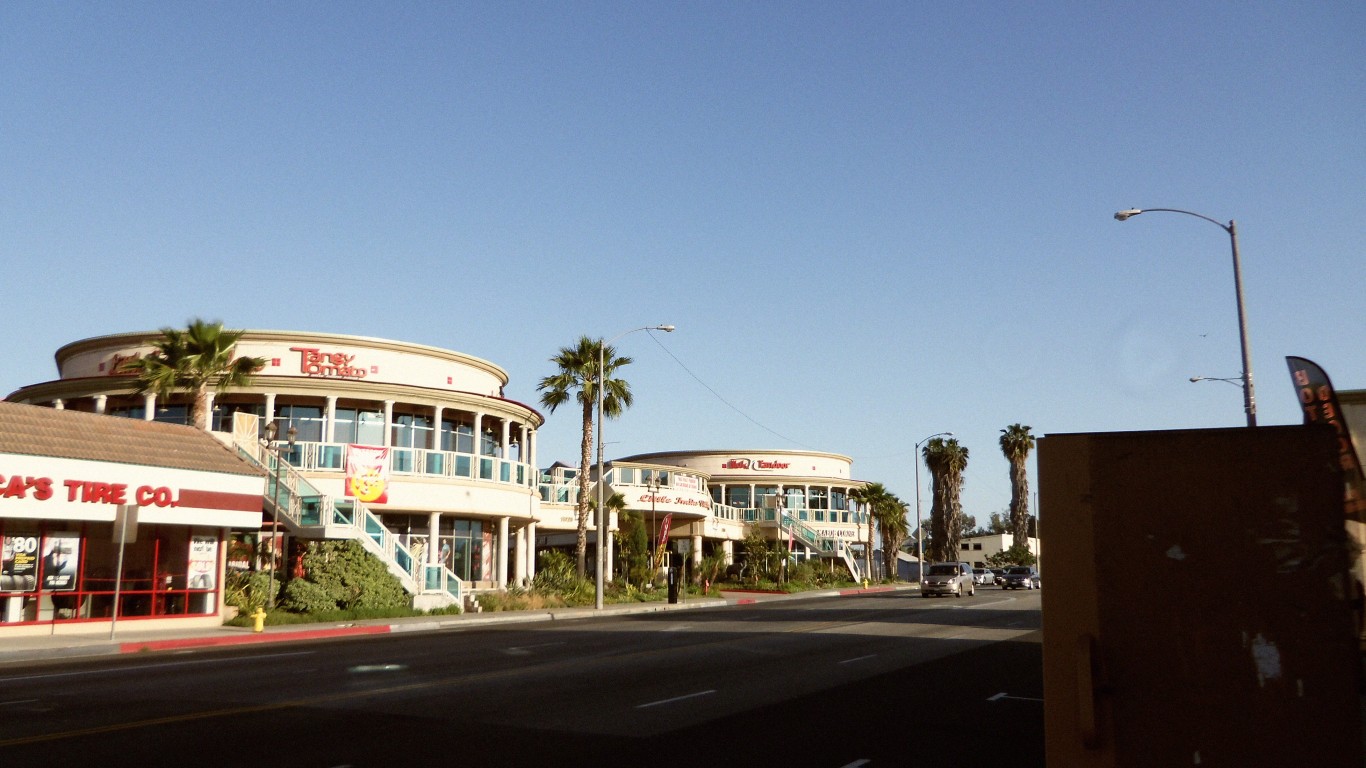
<point x="61" y="558"/>
<point x="203" y="566"/>
<point x="367" y="473"/>
<point x="19" y="564"/>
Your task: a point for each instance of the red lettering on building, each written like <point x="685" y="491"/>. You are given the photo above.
<point x="334" y="365"/>
<point x="756" y="464"/>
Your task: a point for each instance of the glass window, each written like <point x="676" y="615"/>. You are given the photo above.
<point x="222" y="413"/>
<point x="172" y="414"/>
<point x="624" y="475"/>
<point x="764" y="492"/>
<point x="819" y="499"/>
<point x="411" y="431"/>
<point x="457" y="436"/>
<point x="838" y="499"/>
<point x="361" y="427"/>
<point x="738" y="496"/>
<point x="307" y="419"/>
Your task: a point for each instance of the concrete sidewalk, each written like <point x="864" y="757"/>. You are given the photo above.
<point x="128" y="639"/>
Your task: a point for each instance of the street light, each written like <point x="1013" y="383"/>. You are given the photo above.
<point x="919" y="524"/>
<point x="602" y="479"/>
<point x="1249" y="399"/>
<point x="272" y="429"/>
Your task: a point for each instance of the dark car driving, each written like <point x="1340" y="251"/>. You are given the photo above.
<point x="1020" y="577"/>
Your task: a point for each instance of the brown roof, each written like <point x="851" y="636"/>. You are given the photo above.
<point x="33" y="430"/>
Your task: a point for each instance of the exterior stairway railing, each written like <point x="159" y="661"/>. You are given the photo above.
<point x="824" y="546"/>
<point x="311" y="514"/>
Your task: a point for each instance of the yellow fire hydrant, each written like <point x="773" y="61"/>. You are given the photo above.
<point x="865" y="583"/>
<point x="258" y="620"/>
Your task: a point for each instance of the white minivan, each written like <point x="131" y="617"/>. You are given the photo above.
<point x="948" y="579"/>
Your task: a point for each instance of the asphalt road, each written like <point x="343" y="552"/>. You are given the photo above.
<point x="888" y="679"/>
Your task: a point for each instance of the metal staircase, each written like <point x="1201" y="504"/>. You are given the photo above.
<point x="311" y="514"/>
<point x="824" y="546"/>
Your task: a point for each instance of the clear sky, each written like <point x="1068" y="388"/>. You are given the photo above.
<point x="870" y="221"/>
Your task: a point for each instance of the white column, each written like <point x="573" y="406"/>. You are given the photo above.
<point x="388" y="422"/>
<point x="531" y="552"/>
<point x="149" y="406"/>
<point x="478" y="427"/>
<point x="519" y="556"/>
<point x="437" y="413"/>
<point x="330" y="426"/>
<point x="531" y="454"/>
<point x="100" y="402"/>
<point x="58" y="405"/>
<point x="728" y="549"/>
<point x="506" y="439"/>
<point x="434" y="538"/>
<point x="696" y="552"/>
<point x="270" y="409"/>
<point x="502" y="553"/>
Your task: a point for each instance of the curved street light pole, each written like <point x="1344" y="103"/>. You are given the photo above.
<point x="919" y="524"/>
<point x="1249" y="398"/>
<point x="602" y="479"/>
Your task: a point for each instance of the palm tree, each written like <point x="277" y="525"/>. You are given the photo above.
<point x="894" y="529"/>
<point x="578" y="377"/>
<point x="868" y="497"/>
<point x="195" y="359"/>
<point x="1016" y="443"/>
<point x="946" y="460"/>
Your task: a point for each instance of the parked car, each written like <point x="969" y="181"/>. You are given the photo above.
<point x="948" y="579"/>
<point x="983" y="577"/>
<point x="1000" y="574"/>
<point x="1021" y="577"/>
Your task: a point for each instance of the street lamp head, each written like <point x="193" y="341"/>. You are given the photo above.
<point x="664" y="328"/>
<point x="1128" y="213"/>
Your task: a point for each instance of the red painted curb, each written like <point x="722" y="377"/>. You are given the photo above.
<point x="263" y="637"/>
<point x="746" y="601"/>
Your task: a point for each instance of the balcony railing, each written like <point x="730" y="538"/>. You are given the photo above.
<point x="414" y="462"/>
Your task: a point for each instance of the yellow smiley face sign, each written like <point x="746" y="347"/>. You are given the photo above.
<point x="368" y="485"/>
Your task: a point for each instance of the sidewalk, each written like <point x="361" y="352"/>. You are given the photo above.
<point x="128" y="639"/>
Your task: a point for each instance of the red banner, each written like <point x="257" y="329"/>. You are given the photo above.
<point x="367" y="473"/>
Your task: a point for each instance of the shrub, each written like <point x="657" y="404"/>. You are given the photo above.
<point x="350" y="577"/>
<point x="304" y="596"/>
<point x="249" y="590"/>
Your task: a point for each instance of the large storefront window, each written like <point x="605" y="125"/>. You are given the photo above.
<point x="306" y="419"/>
<point x="354" y="425"/>
<point x="61" y="573"/>
<point x="457" y="436"/>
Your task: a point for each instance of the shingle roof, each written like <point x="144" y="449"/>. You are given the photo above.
<point x="33" y="430"/>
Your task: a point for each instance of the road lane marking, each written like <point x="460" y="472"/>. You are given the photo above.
<point x="362" y="668"/>
<point x="18" y="701"/>
<point x="142" y="667"/>
<point x="858" y="658"/>
<point x="856" y="763"/>
<point x="676" y="698"/>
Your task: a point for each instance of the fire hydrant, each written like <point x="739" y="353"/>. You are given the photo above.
<point x="865" y="583"/>
<point x="258" y="620"/>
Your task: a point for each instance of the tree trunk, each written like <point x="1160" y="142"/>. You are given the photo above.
<point x="199" y="407"/>
<point x="585" y="456"/>
<point x="1019" y="502"/>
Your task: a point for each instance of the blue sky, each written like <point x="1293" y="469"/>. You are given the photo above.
<point x="870" y="221"/>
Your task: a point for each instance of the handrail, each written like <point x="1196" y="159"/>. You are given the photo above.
<point x="363" y="526"/>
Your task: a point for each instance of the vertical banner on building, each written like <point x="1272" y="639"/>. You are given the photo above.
<point x="367" y="473"/>
<point x="61" y="557"/>
<point x="203" y="565"/>
<point x="1319" y="401"/>
<point x="663" y="538"/>
<point x="19" y="564"/>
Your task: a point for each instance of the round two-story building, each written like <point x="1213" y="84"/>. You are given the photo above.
<point x="411" y="449"/>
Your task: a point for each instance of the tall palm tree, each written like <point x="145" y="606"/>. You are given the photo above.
<point x="867" y="497"/>
<point x="892" y="526"/>
<point x="577" y="377"/>
<point x="1016" y="443"/>
<point x="195" y="359"/>
<point x="946" y="460"/>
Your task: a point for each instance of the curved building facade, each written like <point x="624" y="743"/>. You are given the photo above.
<point x="456" y="457"/>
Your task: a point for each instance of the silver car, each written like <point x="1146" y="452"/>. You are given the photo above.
<point x="1021" y="577"/>
<point x="948" y="579"/>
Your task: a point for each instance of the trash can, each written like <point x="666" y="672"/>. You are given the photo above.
<point x="673" y="585"/>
